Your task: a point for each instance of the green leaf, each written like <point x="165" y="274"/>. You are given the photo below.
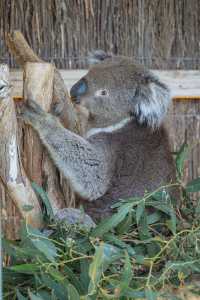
<point x="113" y="221"/>
<point x="9" y="248"/>
<point x="41" y="242"/>
<point x="150" y="295"/>
<point x="180" y="159"/>
<point x="164" y="207"/>
<point x="46" y="247"/>
<point x="20" y="296"/>
<point x="46" y="295"/>
<point x="17" y="251"/>
<point x="72" y="293"/>
<point x="139" y="259"/>
<point x="168" y="209"/>
<point x="84" y="274"/>
<point x="127" y="272"/>
<point x="125" y="225"/>
<point x="73" y="278"/>
<point x="173" y="221"/>
<point x="184" y="266"/>
<point x="34" y="297"/>
<point x="25" y="268"/>
<point x="143" y="229"/>
<point x="58" y="289"/>
<point x="95" y="270"/>
<point x="128" y="292"/>
<point x="126" y="275"/>
<point x="105" y="254"/>
<point x="152" y="249"/>
<point x="58" y="276"/>
<point x="135" y="294"/>
<point x="119" y="243"/>
<point x="14" y="278"/>
<point x="154" y="217"/>
<point x="45" y="199"/>
<point x="140" y="210"/>
<point x="193" y="186"/>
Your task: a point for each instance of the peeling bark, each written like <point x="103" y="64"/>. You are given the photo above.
<point x="15" y="187"/>
<point x="37" y="163"/>
<point x="22" y="52"/>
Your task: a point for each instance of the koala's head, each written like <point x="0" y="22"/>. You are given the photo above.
<point x="116" y="89"/>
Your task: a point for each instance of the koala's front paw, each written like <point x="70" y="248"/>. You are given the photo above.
<point x="33" y="106"/>
<point x="57" y="108"/>
<point x="31" y="113"/>
<point x="74" y="216"/>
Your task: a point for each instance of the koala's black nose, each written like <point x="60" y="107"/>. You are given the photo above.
<point x="78" y="89"/>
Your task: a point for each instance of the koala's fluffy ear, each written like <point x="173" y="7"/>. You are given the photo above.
<point x="97" y="56"/>
<point x="151" y="102"/>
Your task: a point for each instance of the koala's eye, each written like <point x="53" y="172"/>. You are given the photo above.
<point x="79" y="88"/>
<point x="103" y="92"/>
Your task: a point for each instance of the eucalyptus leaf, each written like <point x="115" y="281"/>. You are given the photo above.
<point x="45" y="247"/>
<point x="25" y="268"/>
<point x="84" y="275"/>
<point x="150" y="295"/>
<point x="45" y="199"/>
<point x="20" y="296"/>
<point x="72" y="293"/>
<point x="34" y="297"/>
<point x="95" y="270"/>
<point x="180" y="159"/>
<point x="193" y="186"/>
<point x="113" y="221"/>
<point x="105" y="254"/>
<point x="74" y="279"/>
<point x="143" y="227"/>
<point x="140" y="210"/>
<point x="58" y="289"/>
<point x="126" y="275"/>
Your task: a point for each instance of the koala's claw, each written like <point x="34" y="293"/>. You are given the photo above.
<point x="30" y="112"/>
<point x="27" y="116"/>
<point x="57" y="108"/>
<point x="32" y="105"/>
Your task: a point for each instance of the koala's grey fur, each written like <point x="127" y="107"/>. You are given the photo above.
<point x="125" y="149"/>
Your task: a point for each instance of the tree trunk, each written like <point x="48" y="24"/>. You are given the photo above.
<point x="18" y="47"/>
<point x="16" y="193"/>
<point x="37" y="163"/>
<point x="44" y="84"/>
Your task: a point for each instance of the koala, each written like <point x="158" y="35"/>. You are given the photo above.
<point x="124" y="150"/>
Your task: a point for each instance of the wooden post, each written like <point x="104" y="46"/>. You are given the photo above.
<point x="22" y="52"/>
<point x="14" y="185"/>
<point x="37" y="163"/>
<point x="18" y="46"/>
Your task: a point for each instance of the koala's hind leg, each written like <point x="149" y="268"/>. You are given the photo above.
<point x="81" y="162"/>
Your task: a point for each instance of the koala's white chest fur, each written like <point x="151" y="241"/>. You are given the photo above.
<point x="108" y="129"/>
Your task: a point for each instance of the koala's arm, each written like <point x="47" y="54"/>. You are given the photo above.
<point x="81" y="162"/>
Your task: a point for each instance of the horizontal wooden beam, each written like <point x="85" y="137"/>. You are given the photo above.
<point x="183" y="84"/>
